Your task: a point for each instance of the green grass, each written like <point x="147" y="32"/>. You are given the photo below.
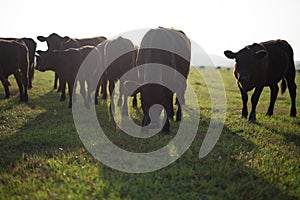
<point x="42" y="157"/>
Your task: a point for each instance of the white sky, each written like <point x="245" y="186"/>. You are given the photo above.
<point x="216" y="25"/>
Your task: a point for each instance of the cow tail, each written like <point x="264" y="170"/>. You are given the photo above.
<point x="283" y="86"/>
<point x="291" y="66"/>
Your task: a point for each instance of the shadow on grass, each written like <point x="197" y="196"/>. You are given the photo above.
<point x="51" y="129"/>
<point x="291" y="136"/>
<point x="220" y="175"/>
<point x="48" y="132"/>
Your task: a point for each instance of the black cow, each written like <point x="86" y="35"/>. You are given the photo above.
<point x="31" y="45"/>
<point x="264" y="64"/>
<point x="167" y="47"/>
<point x="71" y="60"/>
<point x="119" y="56"/>
<point x="14" y="59"/>
<point x="56" y="42"/>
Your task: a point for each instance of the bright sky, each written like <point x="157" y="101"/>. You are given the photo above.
<point x="216" y="25"/>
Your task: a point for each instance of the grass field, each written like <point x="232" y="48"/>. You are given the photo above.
<point x="42" y="157"/>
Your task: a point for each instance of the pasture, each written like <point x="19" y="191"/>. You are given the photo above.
<point x="42" y="157"/>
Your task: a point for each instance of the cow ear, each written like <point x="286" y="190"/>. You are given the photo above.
<point x="41" y="38"/>
<point x="66" y="39"/>
<point x="230" y="54"/>
<point x="130" y="87"/>
<point x="261" y="54"/>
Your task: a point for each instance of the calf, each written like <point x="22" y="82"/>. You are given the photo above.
<point x="14" y="59"/>
<point x="264" y="64"/>
<point x="66" y="64"/>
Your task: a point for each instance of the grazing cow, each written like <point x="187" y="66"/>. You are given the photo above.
<point x="56" y="42"/>
<point x="264" y="64"/>
<point x="166" y="47"/>
<point x="119" y="57"/>
<point x="14" y="59"/>
<point x="31" y="45"/>
<point x="71" y="60"/>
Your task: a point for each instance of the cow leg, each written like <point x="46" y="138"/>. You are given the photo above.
<point x="166" y="128"/>
<point x="98" y="87"/>
<point x="179" y="112"/>
<point x="74" y="88"/>
<point x="59" y="86"/>
<point x="25" y="86"/>
<point x="254" y="101"/>
<point x="70" y="87"/>
<point x="134" y="101"/>
<point x="146" y="119"/>
<point x="5" y="84"/>
<point x="55" y="81"/>
<point x="181" y="92"/>
<point x="103" y="87"/>
<point x="18" y="78"/>
<point x="120" y="100"/>
<point x="125" y="106"/>
<point x="292" y="90"/>
<point x="63" y="90"/>
<point x="245" y="101"/>
<point x="31" y="76"/>
<point x="274" y="92"/>
<point x="25" y="90"/>
<point x="179" y="101"/>
<point x="169" y="103"/>
<point x="97" y="92"/>
<point x="83" y="93"/>
<point x="89" y="92"/>
<point x="111" y="92"/>
<point x="145" y="122"/>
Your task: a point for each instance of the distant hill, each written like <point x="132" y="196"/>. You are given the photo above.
<point x="212" y="60"/>
<point x="221" y="61"/>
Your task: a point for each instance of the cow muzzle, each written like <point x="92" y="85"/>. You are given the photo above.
<point x="245" y="84"/>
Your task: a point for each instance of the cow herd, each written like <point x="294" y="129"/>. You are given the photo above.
<point x="257" y="66"/>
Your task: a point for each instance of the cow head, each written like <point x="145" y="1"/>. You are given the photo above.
<point x="44" y="60"/>
<point x="249" y="65"/>
<point x="54" y="41"/>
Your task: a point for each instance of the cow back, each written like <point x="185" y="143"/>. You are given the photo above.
<point x="280" y="57"/>
<point x="77" y="43"/>
<point x="168" y="47"/>
<point x="119" y="57"/>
